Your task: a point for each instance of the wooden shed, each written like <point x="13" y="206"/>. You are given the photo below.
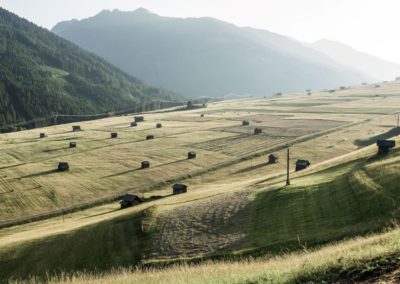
<point x="133" y="124"/>
<point x="72" y="144"/>
<point x="384" y="146"/>
<point x="145" y="164"/>
<point x="302" y="164"/>
<point x="63" y="166"/>
<point x="245" y="122"/>
<point x="129" y="200"/>
<point x="149" y="137"/>
<point x="191" y="155"/>
<point x="76" y="128"/>
<point x="273" y="158"/>
<point x="158" y="125"/>
<point x="179" y="188"/>
<point x="202" y="115"/>
<point x="257" y="131"/>
<point x="114" y="134"/>
<point x="139" y="118"/>
<point x="43" y="135"/>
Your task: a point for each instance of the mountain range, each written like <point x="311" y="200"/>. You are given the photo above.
<point x="42" y="73"/>
<point x="346" y="55"/>
<point x="205" y="56"/>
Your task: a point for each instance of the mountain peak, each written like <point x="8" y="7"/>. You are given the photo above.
<point x="142" y="11"/>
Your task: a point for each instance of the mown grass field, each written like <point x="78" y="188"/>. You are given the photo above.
<point x="231" y="209"/>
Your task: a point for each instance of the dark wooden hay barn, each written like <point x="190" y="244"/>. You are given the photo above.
<point x="133" y="124"/>
<point x="202" y="115"/>
<point x="114" y="135"/>
<point x="191" y="155"/>
<point x="129" y="200"/>
<point x="245" y="122"/>
<point x="76" y="128"/>
<point x="273" y="158"/>
<point x="384" y="146"/>
<point x="257" y="131"/>
<point x="43" y="135"/>
<point x="179" y="188"/>
<point x="72" y="144"/>
<point x="139" y="118"/>
<point x="158" y="125"/>
<point x="302" y="164"/>
<point x="145" y="164"/>
<point x="149" y="137"/>
<point x="63" y="166"/>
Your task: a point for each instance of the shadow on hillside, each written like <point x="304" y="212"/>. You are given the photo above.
<point x="139" y="169"/>
<point x="40" y="174"/>
<point x="252" y="168"/>
<point x="372" y="140"/>
<point x="54" y="150"/>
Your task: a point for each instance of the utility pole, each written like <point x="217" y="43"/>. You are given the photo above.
<point x="54" y="114"/>
<point x="398" y="121"/>
<point x="287" y="169"/>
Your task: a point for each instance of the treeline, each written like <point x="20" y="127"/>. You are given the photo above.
<point x="42" y="74"/>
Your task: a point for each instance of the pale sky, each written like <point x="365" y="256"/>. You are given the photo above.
<point x="371" y="26"/>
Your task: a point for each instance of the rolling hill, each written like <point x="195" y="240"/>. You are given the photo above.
<point x="369" y="64"/>
<point x="236" y="209"/>
<point x="42" y="73"/>
<point x="205" y="56"/>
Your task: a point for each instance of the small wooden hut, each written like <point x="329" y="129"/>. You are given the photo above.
<point x="76" y="128"/>
<point x="63" y="166"/>
<point x="145" y="164"/>
<point x="302" y="164"/>
<point x="139" y="118"/>
<point x="257" y="131"/>
<point x="149" y="137"/>
<point x="72" y="144"/>
<point x="191" y="155"/>
<point x="114" y="135"/>
<point x="129" y="200"/>
<point x="273" y="158"/>
<point x="384" y="146"/>
<point x="158" y="125"/>
<point x="179" y="188"/>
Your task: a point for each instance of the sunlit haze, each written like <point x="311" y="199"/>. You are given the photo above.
<point x="367" y="25"/>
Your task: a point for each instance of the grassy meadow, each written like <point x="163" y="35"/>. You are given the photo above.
<point x="236" y="205"/>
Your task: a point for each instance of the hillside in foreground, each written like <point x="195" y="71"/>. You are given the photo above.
<point x="236" y="204"/>
<point x="204" y="56"/>
<point x="42" y="74"/>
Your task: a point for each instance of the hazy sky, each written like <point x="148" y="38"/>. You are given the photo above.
<point x="367" y="25"/>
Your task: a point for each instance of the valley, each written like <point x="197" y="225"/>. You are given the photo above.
<point x="237" y="204"/>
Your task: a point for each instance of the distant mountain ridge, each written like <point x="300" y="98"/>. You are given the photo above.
<point x="205" y="56"/>
<point x="346" y="55"/>
<point x="42" y="73"/>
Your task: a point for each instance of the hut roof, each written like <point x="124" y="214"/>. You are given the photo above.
<point x="302" y="163"/>
<point x="131" y="198"/>
<point x="386" y="143"/>
<point x="274" y="155"/>
<point x="179" y="186"/>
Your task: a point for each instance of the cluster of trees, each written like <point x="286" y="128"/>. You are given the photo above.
<point x="42" y="73"/>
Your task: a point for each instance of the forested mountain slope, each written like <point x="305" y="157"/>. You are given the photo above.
<point x="42" y="73"/>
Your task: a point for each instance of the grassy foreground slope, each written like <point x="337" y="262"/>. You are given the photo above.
<point x="329" y="204"/>
<point x="348" y="199"/>
<point x="372" y="259"/>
